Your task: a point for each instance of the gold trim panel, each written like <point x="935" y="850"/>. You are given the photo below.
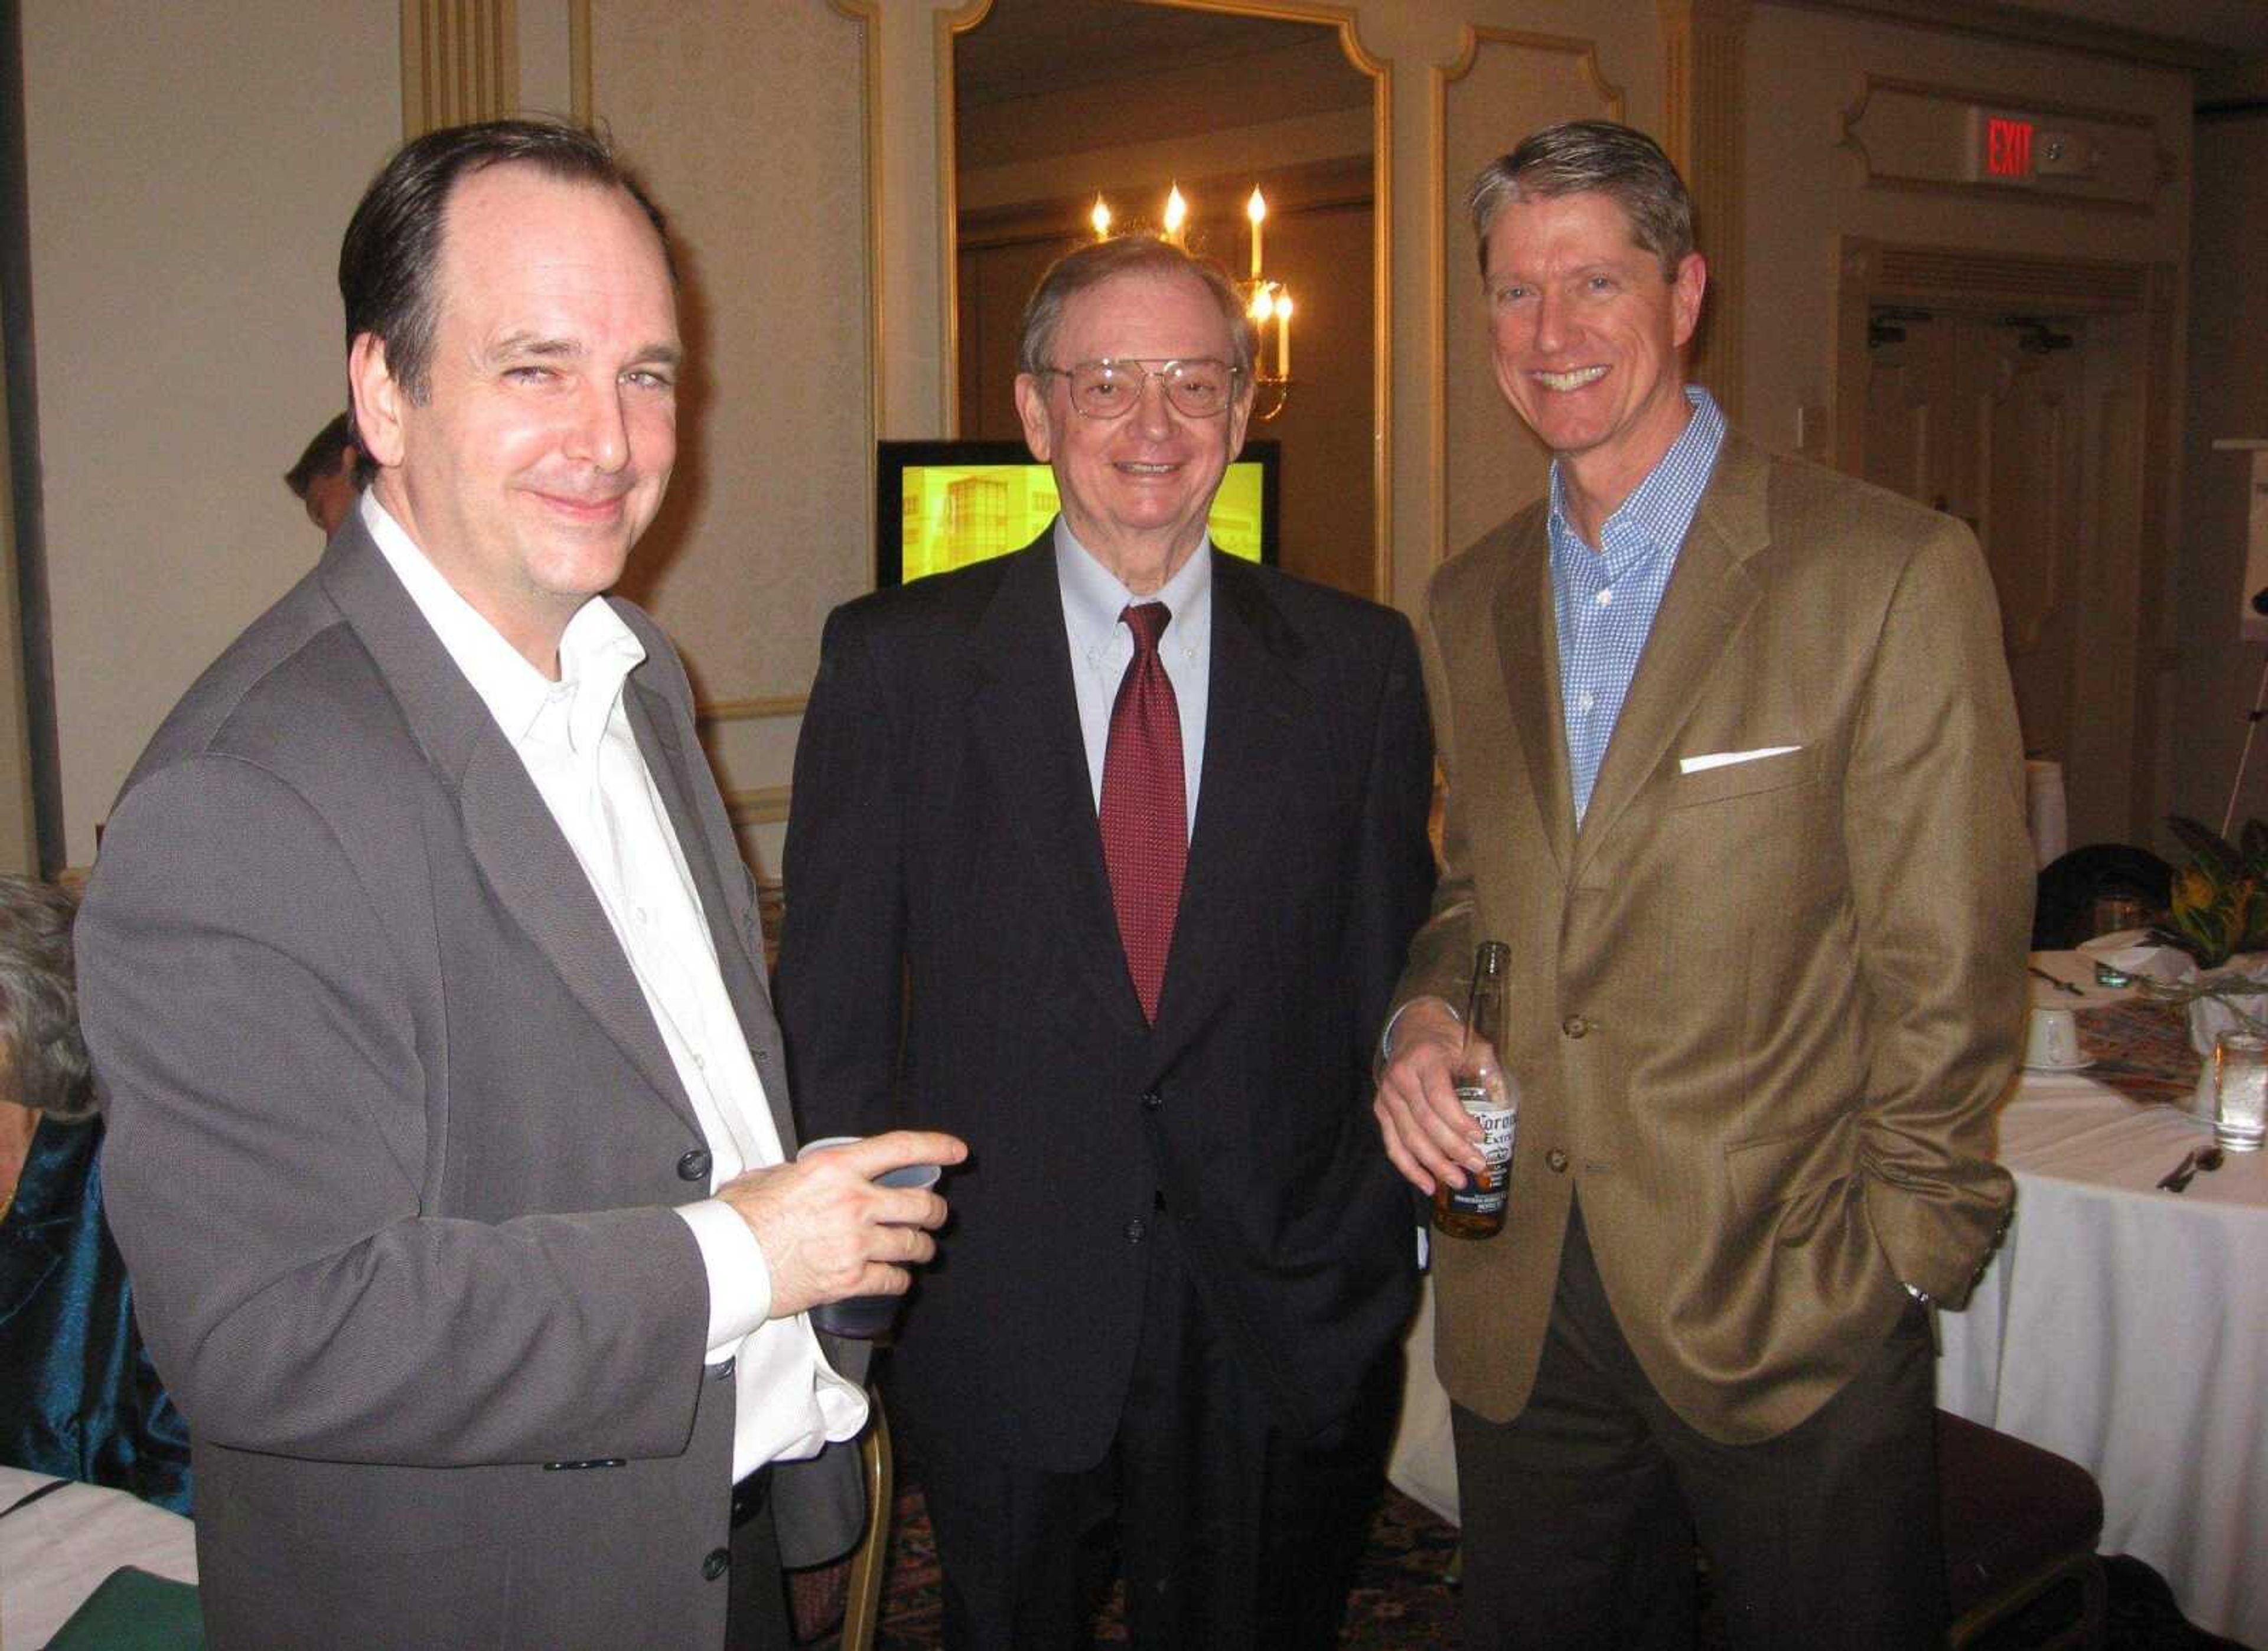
<point x="755" y="709"/>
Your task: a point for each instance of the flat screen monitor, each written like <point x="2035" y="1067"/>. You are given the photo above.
<point x="942" y="505"/>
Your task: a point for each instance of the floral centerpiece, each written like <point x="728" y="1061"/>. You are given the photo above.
<point x="2220" y="918"/>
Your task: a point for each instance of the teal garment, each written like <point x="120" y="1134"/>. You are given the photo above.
<point x="78" y="1395"/>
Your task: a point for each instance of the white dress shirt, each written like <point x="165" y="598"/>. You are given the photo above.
<point x="1101" y="647"/>
<point x="575" y="737"/>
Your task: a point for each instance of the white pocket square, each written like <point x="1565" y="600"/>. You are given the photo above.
<point x="1726" y="759"/>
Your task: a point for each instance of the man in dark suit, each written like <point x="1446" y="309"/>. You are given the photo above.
<point x="421" y="979"/>
<point x="1134" y="832"/>
<point x="1733" y="765"/>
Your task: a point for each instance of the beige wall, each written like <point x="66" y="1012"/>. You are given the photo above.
<point x="191" y="167"/>
<point x="2229" y="399"/>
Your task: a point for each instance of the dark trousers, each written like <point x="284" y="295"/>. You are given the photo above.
<point x="755" y="1612"/>
<point x="1581" y="1514"/>
<point x="1232" y="1533"/>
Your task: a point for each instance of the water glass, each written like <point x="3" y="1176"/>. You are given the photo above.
<point x="2115" y="914"/>
<point x="2240" y="1113"/>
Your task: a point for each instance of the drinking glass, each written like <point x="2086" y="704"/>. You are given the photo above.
<point x="2240" y="1113"/>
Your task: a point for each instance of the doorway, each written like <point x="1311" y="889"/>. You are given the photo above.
<point x="2023" y="397"/>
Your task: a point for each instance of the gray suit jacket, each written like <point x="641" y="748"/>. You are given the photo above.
<point x="393" y="1141"/>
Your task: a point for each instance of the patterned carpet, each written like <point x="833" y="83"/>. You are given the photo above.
<point x="1402" y="1601"/>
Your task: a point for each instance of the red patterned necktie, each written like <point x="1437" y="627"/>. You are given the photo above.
<point x="1144" y="813"/>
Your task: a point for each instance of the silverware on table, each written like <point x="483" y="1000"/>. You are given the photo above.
<point x="2057" y="981"/>
<point x="2197" y="1158"/>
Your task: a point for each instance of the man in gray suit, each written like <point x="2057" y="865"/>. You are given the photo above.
<point x="425" y="990"/>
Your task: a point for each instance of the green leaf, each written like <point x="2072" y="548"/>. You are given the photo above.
<point x="2213" y="851"/>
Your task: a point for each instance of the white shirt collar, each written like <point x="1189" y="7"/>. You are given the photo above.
<point x="597" y="652"/>
<point x="1093" y="596"/>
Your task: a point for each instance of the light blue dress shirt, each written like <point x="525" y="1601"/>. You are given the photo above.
<point x="1604" y="598"/>
<point x="1101" y="647"/>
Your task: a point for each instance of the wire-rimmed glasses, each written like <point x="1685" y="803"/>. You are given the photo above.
<point x="1109" y="389"/>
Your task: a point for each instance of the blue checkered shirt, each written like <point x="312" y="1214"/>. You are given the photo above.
<point x="1605" y="600"/>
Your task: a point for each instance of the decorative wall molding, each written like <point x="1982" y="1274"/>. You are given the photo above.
<point x="1705" y="87"/>
<point x="1984" y="20"/>
<point x="866" y="13"/>
<point x="459" y="62"/>
<point x="1886" y="171"/>
<point x="578" y="60"/>
<point x="760" y="805"/>
<point x="950" y="24"/>
<point x="750" y="710"/>
<point x="1613" y="105"/>
<point x="1873" y="271"/>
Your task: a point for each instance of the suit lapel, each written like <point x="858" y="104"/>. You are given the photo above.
<point x="1710" y="593"/>
<point x="1026" y="717"/>
<point x="1528" y="650"/>
<point x="1254" y="696"/>
<point x="508" y="830"/>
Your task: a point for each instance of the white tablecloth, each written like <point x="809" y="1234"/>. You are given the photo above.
<point x="54" y="1553"/>
<point x="2127" y="1329"/>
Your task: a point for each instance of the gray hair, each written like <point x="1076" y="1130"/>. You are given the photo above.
<point x="42" y="1058"/>
<point x="1097" y="261"/>
<point x="1576" y="157"/>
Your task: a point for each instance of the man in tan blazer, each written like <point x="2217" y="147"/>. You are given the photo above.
<point x="1733" y="767"/>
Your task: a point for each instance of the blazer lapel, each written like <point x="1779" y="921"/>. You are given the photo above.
<point x="1026" y="717"/>
<point x="1527" y="649"/>
<point x="509" y="831"/>
<point x="1254" y="695"/>
<point x="1710" y="593"/>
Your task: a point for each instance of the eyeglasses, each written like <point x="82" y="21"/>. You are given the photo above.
<point x="1199" y="389"/>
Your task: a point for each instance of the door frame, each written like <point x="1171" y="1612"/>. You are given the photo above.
<point x="1870" y="271"/>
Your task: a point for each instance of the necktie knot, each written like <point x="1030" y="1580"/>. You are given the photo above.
<point x="1147" y="621"/>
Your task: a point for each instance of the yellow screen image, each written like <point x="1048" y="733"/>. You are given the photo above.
<point x="960" y="514"/>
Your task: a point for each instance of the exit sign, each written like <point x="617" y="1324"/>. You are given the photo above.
<point x="2008" y="147"/>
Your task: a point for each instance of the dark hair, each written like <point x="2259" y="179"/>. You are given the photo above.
<point x="334" y="441"/>
<point x="1098" y="261"/>
<point x="393" y="246"/>
<point x="42" y="1058"/>
<point x="1618" y="161"/>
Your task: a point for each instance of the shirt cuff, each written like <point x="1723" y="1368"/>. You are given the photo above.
<point x="740" y="1278"/>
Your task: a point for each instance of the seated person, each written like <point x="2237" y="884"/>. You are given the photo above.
<point x="78" y="1396"/>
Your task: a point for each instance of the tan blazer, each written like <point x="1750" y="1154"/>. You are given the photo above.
<point x="1762" y="1011"/>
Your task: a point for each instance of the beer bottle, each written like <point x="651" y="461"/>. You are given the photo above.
<point x="1476" y="1210"/>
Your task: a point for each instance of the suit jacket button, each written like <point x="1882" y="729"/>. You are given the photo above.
<point x="1558" y="1160"/>
<point x="1135" y="1230"/>
<point x="717" y="1564"/>
<point x="721" y="1372"/>
<point x="1152" y="1100"/>
<point x="694" y="1166"/>
<point x="1575" y="1025"/>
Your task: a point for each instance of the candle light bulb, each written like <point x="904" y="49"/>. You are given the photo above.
<point x="1255" y="209"/>
<point x="1100" y="218"/>
<point x="1177" y="212"/>
<point x="1263" y="303"/>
